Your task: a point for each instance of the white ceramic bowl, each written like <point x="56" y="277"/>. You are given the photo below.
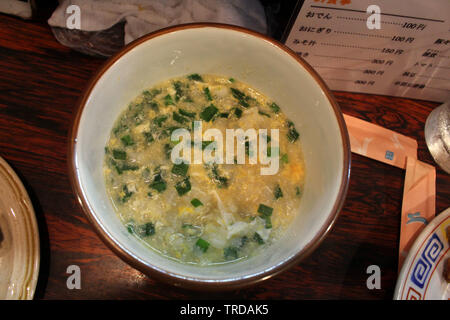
<point x="233" y="52"/>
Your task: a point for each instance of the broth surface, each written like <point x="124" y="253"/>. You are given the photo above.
<point x="201" y="213"/>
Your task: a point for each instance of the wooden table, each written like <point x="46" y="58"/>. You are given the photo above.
<point x="40" y="82"/>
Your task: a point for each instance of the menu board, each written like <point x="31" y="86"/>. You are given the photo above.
<point x="399" y="48"/>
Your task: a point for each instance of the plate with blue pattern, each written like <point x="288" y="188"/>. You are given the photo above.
<point x="426" y="271"/>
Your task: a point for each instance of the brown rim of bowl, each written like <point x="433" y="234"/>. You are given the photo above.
<point x="177" y="279"/>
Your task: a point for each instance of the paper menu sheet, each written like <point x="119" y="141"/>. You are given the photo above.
<point x="409" y="56"/>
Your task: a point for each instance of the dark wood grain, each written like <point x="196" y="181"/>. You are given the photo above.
<point x="40" y="82"/>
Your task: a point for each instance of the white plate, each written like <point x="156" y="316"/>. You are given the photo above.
<point x="19" y="239"/>
<point x="421" y="277"/>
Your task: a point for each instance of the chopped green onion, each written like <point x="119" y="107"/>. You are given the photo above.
<point x="221" y="182"/>
<point x="186" y="113"/>
<point x="292" y="134"/>
<point x="264" y="114"/>
<point x="241" y="97"/>
<point x="274" y="152"/>
<point x="159" y="186"/>
<point x="196" y="203"/>
<point x="117" y="166"/>
<point x="258" y="238"/>
<point x="205" y="144"/>
<point x="119" y="154"/>
<point x="127" y="141"/>
<point x="202" y="244"/>
<point x="139" y="114"/>
<point x="179" y="92"/>
<point x="277" y="192"/>
<point x="127" y="194"/>
<point x="167" y="150"/>
<point x="170" y="130"/>
<point x="149" y="137"/>
<point x="238" y="94"/>
<point x="159" y="120"/>
<point x="284" y="158"/>
<point x="230" y="253"/>
<point x="208" y="113"/>
<point x="195" y="76"/>
<point x="158" y="183"/>
<point x="275" y="108"/>
<point x="129" y="167"/>
<point x="155" y="92"/>
<point x="265" y="213"/>
<point x="178" y="118"/>
<point x="268" y="222"/>
<point x="119" y="128"/>
<point x="183" y="186"/>
<point x="224" y="114"/>
<point x="149" y="95"/>
<point x="148" y="229"/>
<point x="180" y="169"/>
<point x="265" y="210"/>
<point x="244" y="240"/>
<point x="121" y="167"/>
<point x="298" y="191"/>
<point x="207" y="93"/>
<point x="238" y="112"/>
<point x="130" y="227"/>
<point x="247" y="147"/>
<point x="168" y="100"/>
<point x="153" y="105"/>
<point x="231" y="80"/>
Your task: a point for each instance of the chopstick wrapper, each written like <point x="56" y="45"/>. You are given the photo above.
<point x="419" y="203"/>
<point x="379" y="143"/>
<point x="419" y="193"/>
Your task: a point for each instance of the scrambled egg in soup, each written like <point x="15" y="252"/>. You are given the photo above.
<point x="201" y="213"/>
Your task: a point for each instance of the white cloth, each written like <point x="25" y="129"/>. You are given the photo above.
<point x="145" y="16"/>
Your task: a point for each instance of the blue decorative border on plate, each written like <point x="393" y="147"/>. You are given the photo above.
<point x="426" y="261"/>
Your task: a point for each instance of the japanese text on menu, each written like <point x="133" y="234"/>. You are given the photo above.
<point x="399" y="48"/>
